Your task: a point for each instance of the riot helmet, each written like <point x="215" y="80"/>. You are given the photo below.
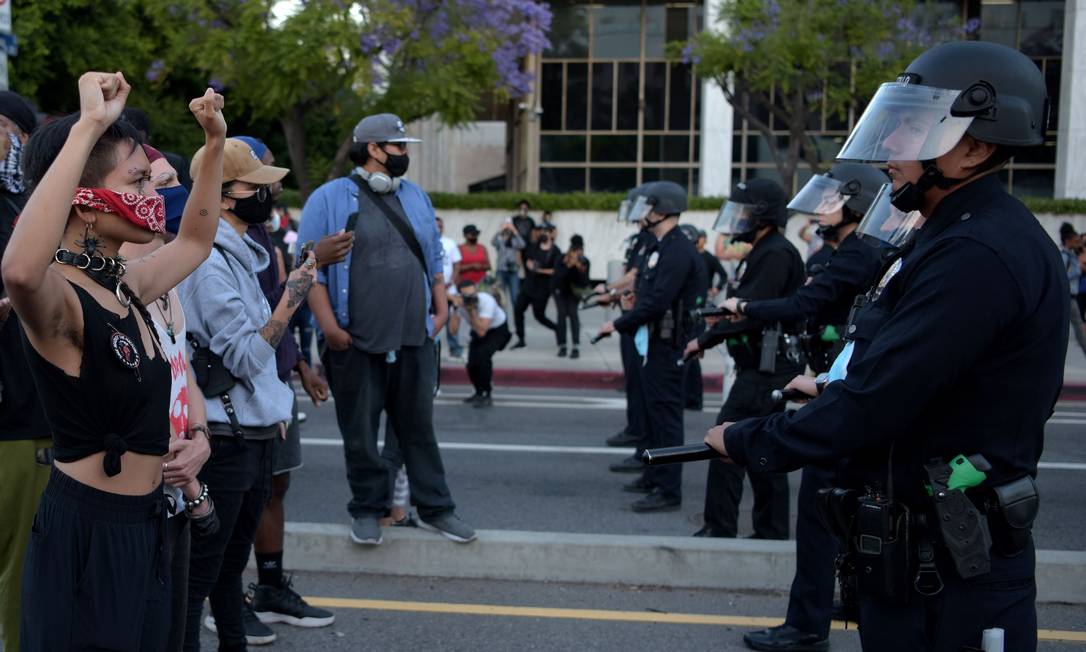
<point x="985" y="90"/>
<point x="752" y="204"/>
<point x="690" y="231"/>
<point x="848" y="187"/>
<point x="886" y="226"/>
<point x="665" y="198"/>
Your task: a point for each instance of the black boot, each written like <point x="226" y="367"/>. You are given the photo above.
<point x="630" y="464"/>
<point x="785" y="637"/>
<point x="622" y="439"/>
<point x="656" y="502"/>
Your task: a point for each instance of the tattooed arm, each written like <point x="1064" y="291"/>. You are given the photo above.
<point x="297" y="289"/>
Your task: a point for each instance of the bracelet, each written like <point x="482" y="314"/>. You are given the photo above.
<point x="190" y="505"/>
<point x="200" y="428"/>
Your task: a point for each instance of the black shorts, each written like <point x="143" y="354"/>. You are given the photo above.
<point x="97" y="573"/>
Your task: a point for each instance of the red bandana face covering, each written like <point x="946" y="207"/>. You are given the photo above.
<point x="145" y="211"/>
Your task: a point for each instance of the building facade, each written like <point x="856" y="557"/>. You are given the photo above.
<point x="612" y="110"/>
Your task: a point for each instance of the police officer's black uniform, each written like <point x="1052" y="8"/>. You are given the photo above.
<point x="961" y="354"/>
<point x="773" y="269"/>
<point x="669" y="284"/>
<point x="825" y="303"/>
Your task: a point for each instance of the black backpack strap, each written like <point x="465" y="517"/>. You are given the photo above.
<point x="405" y="230"/>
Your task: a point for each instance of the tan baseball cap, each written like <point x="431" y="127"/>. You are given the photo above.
<point x="240" y="163"/>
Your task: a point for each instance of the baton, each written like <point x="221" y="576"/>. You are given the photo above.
<point x="779" y="395"/>
<point x="680" y="454"/>
<point x="599" y="337"/>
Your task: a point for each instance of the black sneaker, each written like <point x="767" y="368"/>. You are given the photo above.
<point x="281" y="604"/>
<point x="622" y="439"/>
<point x="710" y="533"/>
<point x="562" y="352"/>
<point x="256" y="632"/>
<point x="574" y="354"/>
<point x="519" y="345"/>
<point x="785" y="637"/>
<point x="630" y="464"/>
<point x="474" y="397"/>
<point x="638" y="486"/>
<point x="656" y="502"/>
<point x="483" y="401"/>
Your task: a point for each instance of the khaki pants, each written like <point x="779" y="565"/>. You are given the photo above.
<point x="22" y="481"/>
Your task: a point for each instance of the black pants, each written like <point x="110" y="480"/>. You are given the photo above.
<point x="749" y="397"/>
<point x="810" y="603"/>
<point x="238" y="476"/>
<point x="568" y="314"/>
<point x="954" y="619"/>
<point x="97" y="574"/>
<point x="366" y="384"/>
<point x="177" y="540"/>
<point x="537" y="299"/>
<point x="693" y="386"/>
<point x="662" y="413"/>
<point x="481" y="352"/>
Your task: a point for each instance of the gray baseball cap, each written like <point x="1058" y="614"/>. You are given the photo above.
<point x="382" y="128"/>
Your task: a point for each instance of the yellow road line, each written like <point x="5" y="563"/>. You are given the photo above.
<point x="597" y="614"/>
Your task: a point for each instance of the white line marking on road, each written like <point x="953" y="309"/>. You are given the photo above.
<point x="590" y="450"/>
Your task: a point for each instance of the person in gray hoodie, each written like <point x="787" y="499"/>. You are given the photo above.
<point x="228" y="315"/>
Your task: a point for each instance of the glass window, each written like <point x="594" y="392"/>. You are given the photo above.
<point x="764" y="173"/>
<point x="999" y="23"/>
<point x="737" y="148"/>
<point x="694" y="188"/>
<point x="827" y="147"/>
<point x="1046" y="153"/>
<point x="576" y="96"/>
<point x="603" y="85"/>
<point x="569" y="31"/>
<point x="678" y="24"/>
<point x="680" y="176"/>
<point x="655" y="32"/>
<point x="562" y="149"/>
<point x="629" y="78"/>
<point x="655" y="86"/>
<point x="758" y="148"/>
<point x="1052" y="81"/>
<point x="561" y="179"/>
<point x="612" y="179"/>
<point x="681" y="82"/>
<point x="697" y="103"/>
<point x="668" y="149"/>
<point x="616" y="31"/>
<point x="1034" y="183"/>
<point x="1041" y="28"/>
<point x="614" y="149"/>
<point x="697" y="148"/>
<point x="550" y="91"/>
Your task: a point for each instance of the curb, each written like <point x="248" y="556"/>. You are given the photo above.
<point x="557" y="378"/>
<point x="674" y="562"/>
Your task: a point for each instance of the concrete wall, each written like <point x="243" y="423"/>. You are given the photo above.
<point x="449" y="159"/>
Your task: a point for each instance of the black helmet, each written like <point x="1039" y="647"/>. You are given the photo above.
<point x="765" y="200"/>
<point x="690" y="231"/>
<point x="990" y="91"/>
<point x="665" y="197"/>
<point x="860" y="183"/>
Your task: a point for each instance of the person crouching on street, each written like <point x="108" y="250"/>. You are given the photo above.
<point x="489" y="334"/>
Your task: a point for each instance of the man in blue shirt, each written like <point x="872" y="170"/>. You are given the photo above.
<point x="374" y="313"/>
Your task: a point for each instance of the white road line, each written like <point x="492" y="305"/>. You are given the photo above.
<point x="590" y="450"/>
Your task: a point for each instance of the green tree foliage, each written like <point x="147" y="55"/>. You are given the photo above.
<point x="787" y="61"/>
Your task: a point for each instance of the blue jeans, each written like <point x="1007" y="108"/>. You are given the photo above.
<point x="511" y="281"/>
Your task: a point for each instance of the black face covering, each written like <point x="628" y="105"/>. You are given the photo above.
<point x="747" y="237"/>
<point x="252" y="209"/>
<point x="544" y="239"/>
<point x="396" y="164"/>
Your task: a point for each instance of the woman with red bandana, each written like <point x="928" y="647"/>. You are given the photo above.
<point x="96" y="567"/>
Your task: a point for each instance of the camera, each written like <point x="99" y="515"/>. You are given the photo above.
<point x="471" y="300"/>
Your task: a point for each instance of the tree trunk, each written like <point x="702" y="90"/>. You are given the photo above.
<point x="293" y="124"/>
<point x="340" y="160"/>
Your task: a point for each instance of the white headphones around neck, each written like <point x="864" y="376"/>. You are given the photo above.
<point x="379" y="182"/>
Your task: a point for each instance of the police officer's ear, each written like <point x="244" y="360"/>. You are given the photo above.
<point x="971" y="156"/>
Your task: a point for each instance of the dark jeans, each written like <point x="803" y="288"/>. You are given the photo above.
<point x="810" y="602"/>
<point x="177" y="540"/>
<point x="567" y="313"/>
<point x="749" y="397"/>
<point x="693" y="385"/>
<point x="481" y="353"/>
<point x="96" y="575"/>
<point x="364" y="385"/>
<point x="302" y="321"/>
<point x="954" y="619"/>
<point x="238" y="476"/>
<point x="537" y="299"/>
<point x="662" y="413"/>
<point x="511" y="280"/>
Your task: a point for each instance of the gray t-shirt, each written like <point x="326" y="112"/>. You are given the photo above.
<point x="387" y="296"/>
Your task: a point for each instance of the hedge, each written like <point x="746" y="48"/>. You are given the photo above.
<point x="608" y="201"/>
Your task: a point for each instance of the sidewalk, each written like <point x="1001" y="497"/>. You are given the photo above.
<point x="600" y="365"/>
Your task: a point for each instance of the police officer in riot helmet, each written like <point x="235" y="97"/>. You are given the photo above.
<point x="669" y="285"/>
<point x="940" y="417"/>
<point x="839" y="200"/>
<point x="766" y="354"/>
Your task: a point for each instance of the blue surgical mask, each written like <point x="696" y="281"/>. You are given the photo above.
<point x="175" y="198"/>
<point x="641" y="341"/>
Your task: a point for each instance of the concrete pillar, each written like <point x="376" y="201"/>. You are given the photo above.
<point x="716" y="128"/>
<point x="1071" y="138"/>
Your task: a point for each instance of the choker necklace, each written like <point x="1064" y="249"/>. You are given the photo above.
<point x="107" y="272"/>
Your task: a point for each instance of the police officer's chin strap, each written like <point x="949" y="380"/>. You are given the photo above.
<point x="910" y="196"/>
<point x="652" y="225"/>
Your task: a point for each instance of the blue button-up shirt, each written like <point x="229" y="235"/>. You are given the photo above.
<point x="326" y="212"/>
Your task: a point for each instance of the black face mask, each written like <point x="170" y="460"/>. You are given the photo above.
<point x="396" y="164"/>
<point x="544" y="239"/>
<point x="747" y="237"/>
<point x="472" y="239"/>
<point x="828" y="232"/>
<point x="253" y="209"/>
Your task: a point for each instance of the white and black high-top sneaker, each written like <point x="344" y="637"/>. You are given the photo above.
<point x="282" y="604"/>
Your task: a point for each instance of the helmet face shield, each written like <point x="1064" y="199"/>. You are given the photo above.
<point x="639" y="210"/>
<point x="885" y="226"/>
<point x="734" y="218"/>
<point x="821" y="196"/>
<point x="624" y="211"/>
<point x="905" y="122"/>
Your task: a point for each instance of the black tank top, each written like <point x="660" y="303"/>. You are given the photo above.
<point x="120" y="401"/>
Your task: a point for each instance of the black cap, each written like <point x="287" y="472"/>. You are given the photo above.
<point x="14" y="107"/>
<point x="471" y="230"/>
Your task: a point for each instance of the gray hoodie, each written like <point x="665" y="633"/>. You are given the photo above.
<point x="225" y="307"/>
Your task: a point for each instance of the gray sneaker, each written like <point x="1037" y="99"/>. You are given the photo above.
<point x="451" y="527"/>
<point x="366" y="531"/>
